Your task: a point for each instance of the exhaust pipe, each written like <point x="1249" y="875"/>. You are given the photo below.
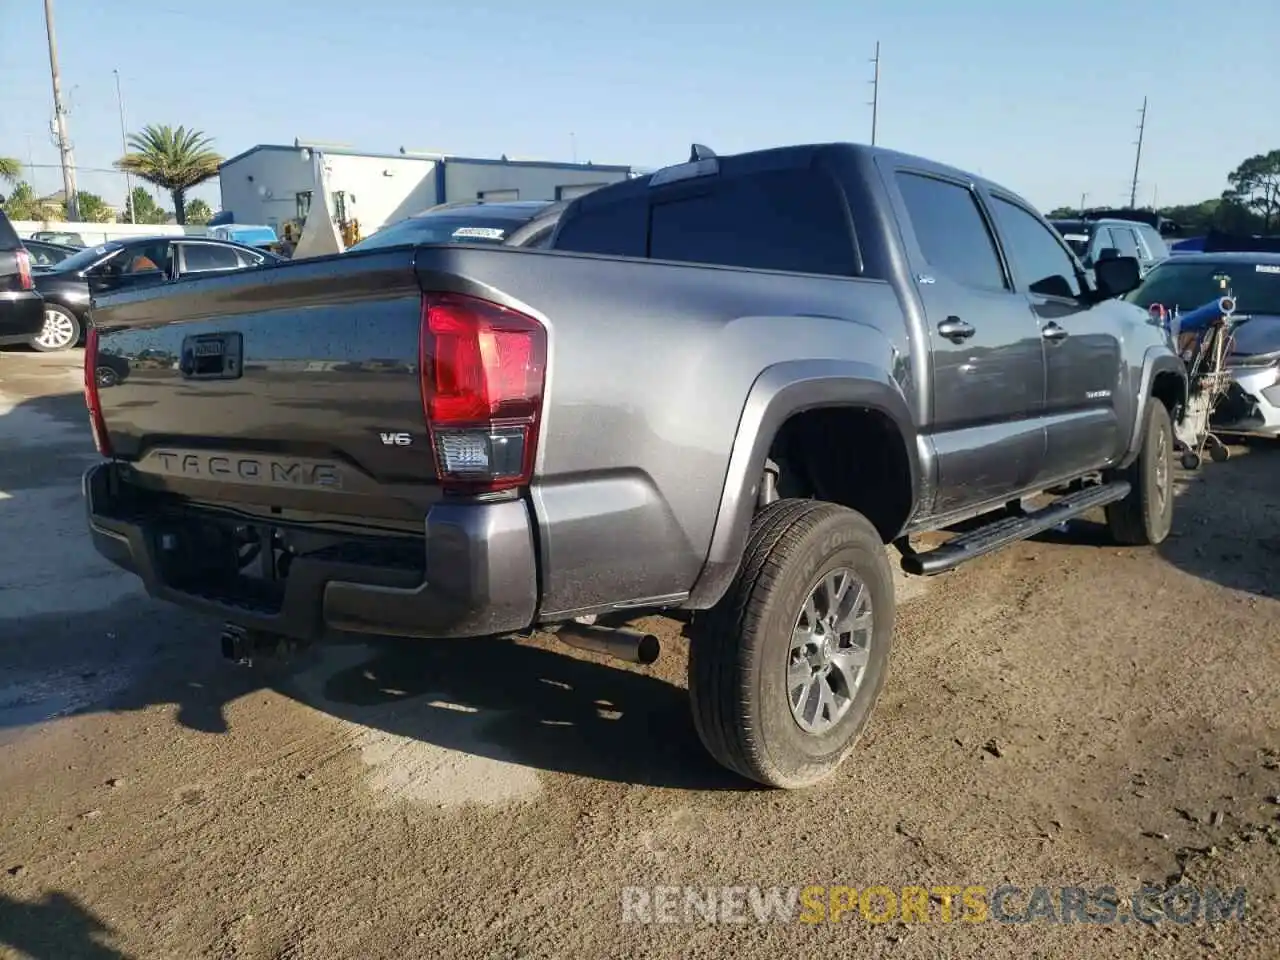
<point x="621" y="643"/>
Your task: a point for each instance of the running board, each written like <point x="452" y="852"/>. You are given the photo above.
<point x="1007" y="530"/>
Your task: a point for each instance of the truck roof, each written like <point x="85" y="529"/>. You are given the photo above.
<point x="780" y="158"/>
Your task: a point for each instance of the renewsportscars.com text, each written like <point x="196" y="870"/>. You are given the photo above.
<point x="1005" y="903"/>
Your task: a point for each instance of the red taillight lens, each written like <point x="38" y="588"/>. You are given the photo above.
<point x="24" y="270"/>
<point x="91" y="399"/>
<point x="483" y="369"/>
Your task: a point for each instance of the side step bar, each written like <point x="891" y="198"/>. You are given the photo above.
<point x="1007" y="530"/>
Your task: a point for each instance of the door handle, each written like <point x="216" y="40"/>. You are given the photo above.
<point x="955" y="329"/>
<point x="1051" y="331"/>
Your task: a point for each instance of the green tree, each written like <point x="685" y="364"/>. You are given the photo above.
<point x="198" y="212"/>
<point x="10" y="170"/>
<point x="93" y="209"/>
<point x="141" y="207"/>
<point x="173" y="159"/>
<point x="1255" y="184"/>
<point x="24" y="204"/>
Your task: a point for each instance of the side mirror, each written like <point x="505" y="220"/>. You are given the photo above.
<point x="1108" y="253"/>
<point x="1116" y="276"/>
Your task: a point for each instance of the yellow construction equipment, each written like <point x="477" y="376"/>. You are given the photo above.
<point x="291" y="230"/>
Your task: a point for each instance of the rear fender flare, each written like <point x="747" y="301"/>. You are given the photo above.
<point x="780" y="392"/>
<point x="1155" y="361"/>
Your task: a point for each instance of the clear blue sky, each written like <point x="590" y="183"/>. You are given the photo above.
<point x="1042" y="96"/>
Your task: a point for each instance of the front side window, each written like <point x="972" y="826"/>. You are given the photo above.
<point x="1035" y="251"/>
<point x="146" y="258"/>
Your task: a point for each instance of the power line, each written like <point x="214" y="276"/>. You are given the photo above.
<point x="1137" y="160"/>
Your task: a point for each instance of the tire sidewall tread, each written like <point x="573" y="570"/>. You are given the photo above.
<point x="738" y="657"/>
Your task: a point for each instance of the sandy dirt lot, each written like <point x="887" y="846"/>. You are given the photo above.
<point x="1060" y="714"/>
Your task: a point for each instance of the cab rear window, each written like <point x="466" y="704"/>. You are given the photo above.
<point x="790" y="219"/>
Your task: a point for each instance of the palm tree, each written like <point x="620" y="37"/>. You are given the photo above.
<point x="10" y="170"/>
<point x="175" y="160"/>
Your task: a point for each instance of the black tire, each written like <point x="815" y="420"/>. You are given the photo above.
<point x="69" y="323"/>
<point x="1145" y="516"/>
<point x="739" y="654"/>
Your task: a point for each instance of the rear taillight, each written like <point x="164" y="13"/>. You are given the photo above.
<point x="24" y="270"/>
<point x="91" y="399"/>
<point x="483" y="369"/>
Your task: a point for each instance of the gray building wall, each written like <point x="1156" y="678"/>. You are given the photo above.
<point x="471" y="179"/>
<point x="261" y="184"/>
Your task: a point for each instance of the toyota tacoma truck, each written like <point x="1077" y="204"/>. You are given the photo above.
<point x="721" y="392"/>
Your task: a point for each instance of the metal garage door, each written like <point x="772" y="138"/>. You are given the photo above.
<point x="571" y="191"/>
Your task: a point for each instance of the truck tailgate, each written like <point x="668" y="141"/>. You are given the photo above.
<point x="286" y="389"/>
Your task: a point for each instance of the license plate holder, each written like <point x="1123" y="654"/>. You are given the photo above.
<point x="212" y="356"/>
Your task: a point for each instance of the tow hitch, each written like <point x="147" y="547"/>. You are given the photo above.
<point x="242" y="645"/>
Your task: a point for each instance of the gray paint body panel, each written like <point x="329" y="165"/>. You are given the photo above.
<point x="666" y="383"/>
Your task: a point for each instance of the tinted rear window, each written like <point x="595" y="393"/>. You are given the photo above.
<point x="791" y="220"/>
<point x="617" y="229"/>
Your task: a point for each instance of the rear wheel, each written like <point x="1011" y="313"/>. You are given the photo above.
<point x="784" y="672"/>
<point x="61" y="330"/>
<point x="1145" y="516"/>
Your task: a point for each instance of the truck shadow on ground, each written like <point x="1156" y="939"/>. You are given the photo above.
<point x="1226" y="522"/>
<point x="53" y="928"/>
<point x="522" y="704"/>
<point x="491" y="698"/>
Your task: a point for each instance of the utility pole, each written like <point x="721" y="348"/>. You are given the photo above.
<point x="60" y="119"/>
<point x="124" y="149"/>
<point x="875" y="92"/>
<point x="1083" y="197"/>
<point x="1142" y="127"/>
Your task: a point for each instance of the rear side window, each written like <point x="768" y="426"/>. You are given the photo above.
<point x="1123" y="240"/>
<point x="205" y="257"/>
<point x="951" y="231"/>
<point x="790" y="220"/>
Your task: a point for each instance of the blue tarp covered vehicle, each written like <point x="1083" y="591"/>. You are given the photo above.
<point x="252" y="235"/>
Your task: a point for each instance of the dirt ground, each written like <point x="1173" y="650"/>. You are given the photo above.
<point x="1062" y="713"/>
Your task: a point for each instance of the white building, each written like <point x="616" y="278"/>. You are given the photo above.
<point x="270" y="184"/>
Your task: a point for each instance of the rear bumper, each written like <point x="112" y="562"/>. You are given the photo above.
<point x="477" y="576"/>
<point x="21" y="317"/>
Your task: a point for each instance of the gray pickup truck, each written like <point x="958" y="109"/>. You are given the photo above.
<point x="721" y="393"/>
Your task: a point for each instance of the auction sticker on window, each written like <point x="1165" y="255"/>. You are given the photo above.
<point x="479" y="233"/>
<point x="1267" y="268"/>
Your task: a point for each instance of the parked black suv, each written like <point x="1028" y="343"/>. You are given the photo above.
<point x="21" y="309"/>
